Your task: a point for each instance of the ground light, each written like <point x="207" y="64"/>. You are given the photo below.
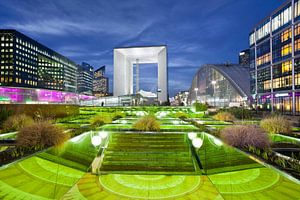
<point x="96" y="140"/>
<point x="192" y="135"/>
<point x="175" y="122"/>
<point x="197" y="142"/>
<point x="103" y="134"/>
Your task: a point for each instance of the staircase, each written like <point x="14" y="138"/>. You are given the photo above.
<point x="148" y="153"/>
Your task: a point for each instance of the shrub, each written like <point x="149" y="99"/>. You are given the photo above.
<point x="118" y="115"/>
<point x="16" y="122"/>
<point x="224" y="116"/>
<point x="41" y="134"/>
<point x="4" y="114"/>
<point x="147" y="123"/>
<point x="200" y="106"/>
<point x="245" y="136"/>
<point x="100" y="120"/>
<point x="181" y="115"/>
<point x="45" y="110"/>
<point x="276" y="124"/>
<point x="238" y="112"/>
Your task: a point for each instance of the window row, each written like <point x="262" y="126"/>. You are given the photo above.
<point x="26" y="44"/>
<point x="263" y="59"/>
<point x="7" y="44"/>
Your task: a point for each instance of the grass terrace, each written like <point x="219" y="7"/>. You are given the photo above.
<point x="112" y="160"/>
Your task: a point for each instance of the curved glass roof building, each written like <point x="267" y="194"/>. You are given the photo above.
<point x="221" y="85"/>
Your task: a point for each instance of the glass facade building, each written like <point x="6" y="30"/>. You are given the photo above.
<point x="221" y="85"/>
<point x="26" y="63"/>
<point x="275" y="60"/>
<point x="85" y="75"/>
<point x="100" y="83"/>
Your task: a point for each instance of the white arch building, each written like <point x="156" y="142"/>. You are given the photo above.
<point x="125" y="58"/>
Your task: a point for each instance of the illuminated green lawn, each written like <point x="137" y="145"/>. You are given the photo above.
<point x="36" y="178"/>
<point x="225" y="173"/>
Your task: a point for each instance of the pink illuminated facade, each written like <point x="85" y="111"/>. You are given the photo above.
<point x="40" y="96"/>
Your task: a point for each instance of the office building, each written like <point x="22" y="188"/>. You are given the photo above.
<point x="100" y="83"/>
<point x="25" y="62"/>
<point x="181" y="99"/>
<point x="85" y="76"/>
<point x="275" y="60"/>
<point x="244" y="57"/>
<point x="221" y="85"/>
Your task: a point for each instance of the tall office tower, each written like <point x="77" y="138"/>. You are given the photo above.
<point x="275" y="60"/>
<point x="100" y="83"/>
<point x="85" y="76"/>
<point x="244" y="57"/>
<point x="26" y="63"/>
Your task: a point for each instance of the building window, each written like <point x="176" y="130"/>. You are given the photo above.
<point x="252" y="39"/>
<point x="263" y="30"/>
<point x="282" y="18"/>
<point x="297" y="45"/>
<point x="286" y="35"/>
<point x="286" y="50"/>
<point x="297" y="9"/>
<point x="286" y="67"/>
<point x="297" y="29"/>
<point x="267" y="85"/>
<point x="263" y="59"/>
<point x="282" y="82"/>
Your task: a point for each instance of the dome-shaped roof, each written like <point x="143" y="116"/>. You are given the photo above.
<point x="237" y="75"/>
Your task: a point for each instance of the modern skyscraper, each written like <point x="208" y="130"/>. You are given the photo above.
<point x="100" y="83"/>
<point x="275" y="60"/>
<point x="26" y="63"/>
<point x="85" y="75"/>
<point x="244" y="57"/>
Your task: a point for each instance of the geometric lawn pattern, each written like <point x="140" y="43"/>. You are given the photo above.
<point x="41" y="177"/>
<point x="260" y="183"/>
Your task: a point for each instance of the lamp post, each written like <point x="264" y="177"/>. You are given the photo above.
<point x="214" y="85"/>
<point x="157" y="91"/>
<point x="196" y="90"/>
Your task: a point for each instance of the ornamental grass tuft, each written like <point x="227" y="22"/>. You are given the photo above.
<point x="147" y="123"/>
<point x="276" y="124"/>
<point x="245" y="136"/>
<point x="100" y="120"/>
<point x="16" y="122"/>
<point x="41" y="134"/>
<point x="224" y="116"/>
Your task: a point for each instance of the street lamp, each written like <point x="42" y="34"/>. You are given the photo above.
<point x="158" y="91"/>
<point x="196" y="90"/>
<point x="214" y="84"/>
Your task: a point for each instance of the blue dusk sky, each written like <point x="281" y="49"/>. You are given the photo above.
<point x="196" y="31"/>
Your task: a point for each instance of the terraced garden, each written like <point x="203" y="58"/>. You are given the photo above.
<point x="148" y="153"/>
<point x="135" y="164"/>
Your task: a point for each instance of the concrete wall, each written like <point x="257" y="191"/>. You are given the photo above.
<point x="162" y="76"/>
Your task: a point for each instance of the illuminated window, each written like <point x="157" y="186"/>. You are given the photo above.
<point x="282" y="82"/>
<point x="263" y="30"/>
<point x="297" y="79"/>
<point x="286" y="35"/>
<point x="263" y="59"/>
<point x="267" y="84"/>
<point x="297" y="9"/>
<point x="286" y="66"/>
<point x="286" y="50"/>
<point x="282" y="18"/>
